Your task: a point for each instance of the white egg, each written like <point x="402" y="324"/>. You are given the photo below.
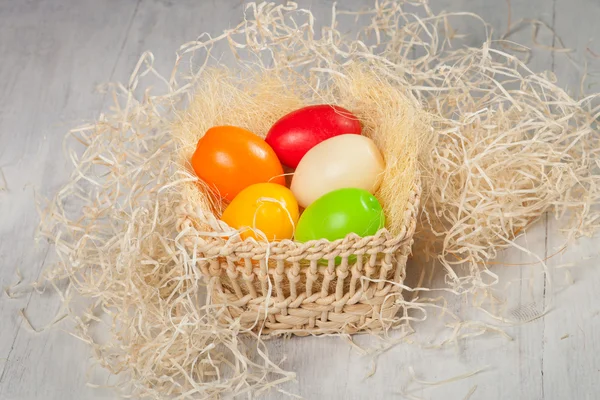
<point x="344" y="161"/>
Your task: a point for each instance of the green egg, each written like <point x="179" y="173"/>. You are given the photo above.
<point x="338" y="213"/>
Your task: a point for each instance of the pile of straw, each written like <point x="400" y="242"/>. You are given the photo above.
<point x="508" y="146"/>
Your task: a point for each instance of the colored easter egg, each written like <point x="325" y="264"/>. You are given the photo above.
<point x="266" y="207"/>
<point x="299" y="131"/>
<point x="338" y="213"/>
<point x="340" y="162"/>
<point x="230" y="159"/>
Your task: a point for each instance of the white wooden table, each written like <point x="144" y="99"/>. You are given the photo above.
<point x="52" y="56"/>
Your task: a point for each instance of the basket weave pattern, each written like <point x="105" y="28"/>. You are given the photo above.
<point x="313" y="287"/>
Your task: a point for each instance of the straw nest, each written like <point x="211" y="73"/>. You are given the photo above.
<point x="255" y="99"/>
<point x="509" y="145"/>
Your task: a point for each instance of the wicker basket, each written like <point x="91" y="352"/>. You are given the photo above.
<point x="312" y="288"/>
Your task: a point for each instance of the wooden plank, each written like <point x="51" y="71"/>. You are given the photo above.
<point x="571" y="345"/>
<point x="571" y="336"/>
<point x="54" y="54"/>
<point x="584" y="43"/>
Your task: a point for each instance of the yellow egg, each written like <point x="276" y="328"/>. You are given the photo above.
<point x="263" y="211"/>
<point x="345" y="161"/>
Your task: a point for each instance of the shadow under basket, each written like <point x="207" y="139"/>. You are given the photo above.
<point x="345" y="286"/>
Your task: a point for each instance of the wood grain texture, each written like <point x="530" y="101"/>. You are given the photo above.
<point x="53" y="56"/>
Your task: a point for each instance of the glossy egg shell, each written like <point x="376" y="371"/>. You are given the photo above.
<point x="340" y="162"/>
<point x="296" y="133"/>
<point x="266" y="207"/>
<point x="229" y="159"/>
<point x="339" y="213"/>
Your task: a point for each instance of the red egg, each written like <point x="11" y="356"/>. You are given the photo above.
<point x="299" y="131"/>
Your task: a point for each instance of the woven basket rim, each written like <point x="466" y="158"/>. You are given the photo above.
<point x="382" y="241"/>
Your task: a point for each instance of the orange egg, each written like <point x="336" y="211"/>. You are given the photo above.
<point x="266" y="207"/>
<point x="230" y="159"/>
